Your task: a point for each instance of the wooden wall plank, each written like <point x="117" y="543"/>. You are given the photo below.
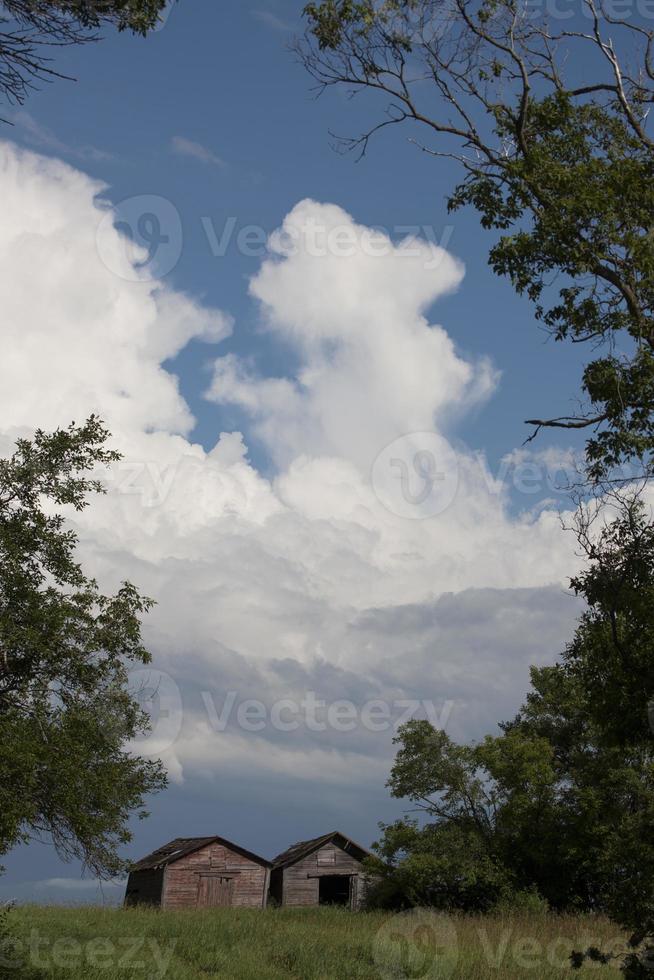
<point x="182" y="877"/>
<point x="300" y="880"/>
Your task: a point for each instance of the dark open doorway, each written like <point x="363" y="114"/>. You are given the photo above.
<point x="334" y="890"/>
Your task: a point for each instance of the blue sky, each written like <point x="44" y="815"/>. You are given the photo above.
<point x="213" y="114"/>
<point x="221" y="75"/>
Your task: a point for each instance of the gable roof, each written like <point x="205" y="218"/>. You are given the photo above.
<point x="303" y="848"/>
<point x="182" y="846"/>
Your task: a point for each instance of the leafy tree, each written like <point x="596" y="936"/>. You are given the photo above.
<point x="494" y="824"/>
<point x="30" y="28"/>
<point x="559" y="160"/>
<point x="612" y="654"/>
<point x="550" y="124"/>
<point x="446" y="865"/>
<point x="65" y="711"/>
<point x="563" y="799"/>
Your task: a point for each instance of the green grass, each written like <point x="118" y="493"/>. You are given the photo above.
<point x="322" y="944"/>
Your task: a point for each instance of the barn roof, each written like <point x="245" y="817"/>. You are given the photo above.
<point x="182" y="846"/>
<point x="305" y="847"/>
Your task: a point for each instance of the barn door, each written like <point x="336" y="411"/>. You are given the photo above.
<point x="214" y="891"/>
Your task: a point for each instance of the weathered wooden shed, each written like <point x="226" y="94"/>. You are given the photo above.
<point x="199" y="872"/>
<point x="325" y="871"/>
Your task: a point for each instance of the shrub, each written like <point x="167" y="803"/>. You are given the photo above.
<point x="525" y="901"/>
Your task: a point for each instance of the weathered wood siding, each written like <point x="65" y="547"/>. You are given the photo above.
<point x="182" y="878"/>
<point x="144" y="887"/>
<point x="300" y="881"/>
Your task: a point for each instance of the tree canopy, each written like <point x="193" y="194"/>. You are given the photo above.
<point x="66" y="714"/>
<point x="562" y="800"/>
<point x="30" y="30"/>
<point x="549" y="122"/>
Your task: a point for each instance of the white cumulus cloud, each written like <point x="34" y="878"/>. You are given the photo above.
<point x="306" y="579"/>
<point x="352" y="305"/>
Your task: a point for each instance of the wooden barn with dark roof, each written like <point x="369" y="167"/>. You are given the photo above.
<point x="199" y="872"/>
<point x="327" y="870"/>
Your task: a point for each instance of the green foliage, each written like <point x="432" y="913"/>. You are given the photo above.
<point x="493" y="811"/>
<point x="585" y="181"/>
<point x="562" y="801"/>
<point x="611" y="657"/>
<point x="563" y="171"/>
<point x="29" y="28"/>
<point x="6" y="938"/>
<point x="65" y="649"/>
<point x="139" y="16"/>
<point x="12" y="963"/>
<point x="330" y="19"/>
<point x="595" y="709"/>
<point x="525" y="902"/>
<point x="442" y="865"/>
<point x="327" y="19"/>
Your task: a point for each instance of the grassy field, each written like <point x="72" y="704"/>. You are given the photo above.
<point x="323" y="944"/>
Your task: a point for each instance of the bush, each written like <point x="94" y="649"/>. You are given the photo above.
<point x="527" y="901"/>
<point x="12" y="961"/>
<point x="446" y="866"/>
<point x="7" y="942"/>
<point x="385" y="893"/>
